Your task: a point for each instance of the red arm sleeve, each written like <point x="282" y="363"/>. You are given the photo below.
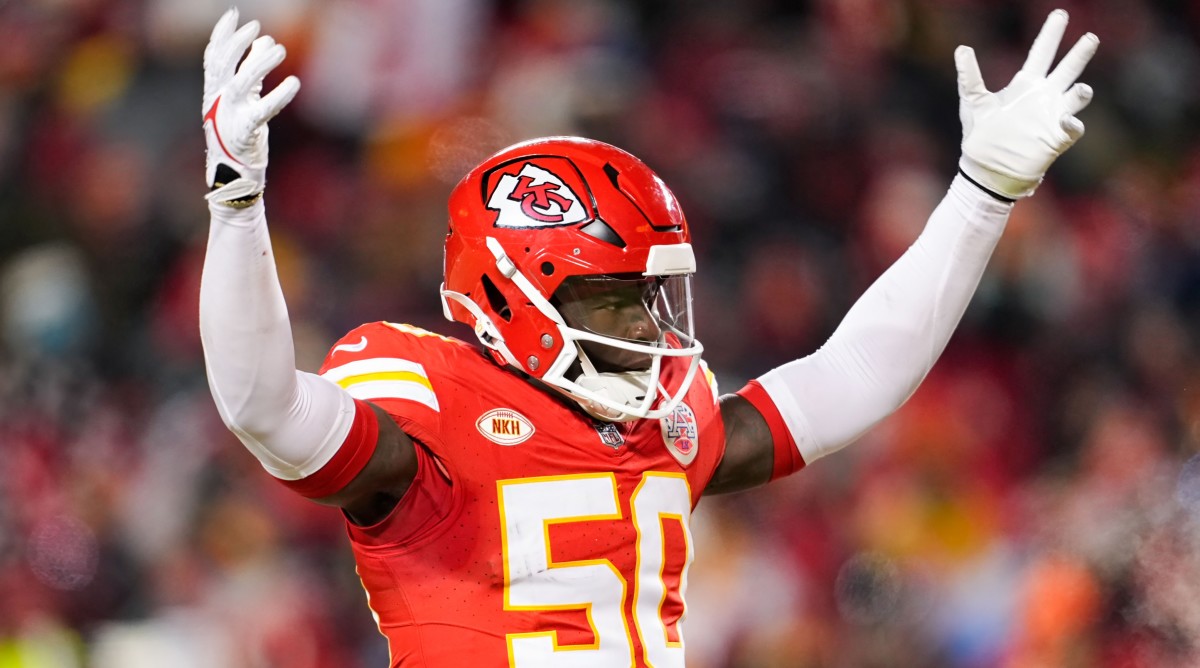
<point x="348" y="462"/>
<point x="787" y="455"/>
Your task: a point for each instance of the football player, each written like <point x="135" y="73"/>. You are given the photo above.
<point x="525" y="501"/>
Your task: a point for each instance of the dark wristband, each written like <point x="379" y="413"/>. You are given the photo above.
<point x="994" y="194"/>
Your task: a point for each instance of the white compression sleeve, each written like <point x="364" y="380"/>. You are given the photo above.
<point x="894" y="333"/>
<point x="292" y="421"/>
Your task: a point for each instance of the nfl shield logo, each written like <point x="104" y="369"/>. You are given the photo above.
<point x="681" y="434"/>
<point x="610" y="434"/>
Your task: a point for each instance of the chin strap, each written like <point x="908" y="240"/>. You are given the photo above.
<point x="485" y="329"/>
<point x="627" y="387"/>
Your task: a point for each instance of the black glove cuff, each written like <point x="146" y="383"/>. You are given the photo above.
<point x="993" y="193"/>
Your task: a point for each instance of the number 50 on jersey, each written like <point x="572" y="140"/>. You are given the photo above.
<point x="534" y="582"/>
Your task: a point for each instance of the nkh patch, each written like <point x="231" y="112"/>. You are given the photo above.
<point x="504" y="426"/>
<point x="535" y="197"/>
<point x="681" y="433"/>
<point x="609" y="433"/>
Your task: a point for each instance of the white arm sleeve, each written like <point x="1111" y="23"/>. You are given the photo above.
<point x="894" y="333"/>
<point x="292" y="421"/>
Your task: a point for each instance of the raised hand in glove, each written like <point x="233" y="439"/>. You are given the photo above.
<point x="1011" y="137"/>
<point x="235" y="115"/>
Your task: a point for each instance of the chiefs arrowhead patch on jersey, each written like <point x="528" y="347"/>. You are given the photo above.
<point x="504" y="426"/>
<point x="681" y="433"/>
<point x="548" y="194"/>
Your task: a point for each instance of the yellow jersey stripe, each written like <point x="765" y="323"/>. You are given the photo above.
<point x="403" y="376"/>
<point x="374" y="365"/>
<point x="394" y="389"/>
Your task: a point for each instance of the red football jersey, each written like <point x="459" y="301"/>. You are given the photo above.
<point x="533" y="535"/>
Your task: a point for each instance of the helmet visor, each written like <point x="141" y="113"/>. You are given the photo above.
<point x="647" y="311"/>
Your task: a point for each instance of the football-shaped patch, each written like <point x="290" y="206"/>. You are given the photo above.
<point x="504" y="426"/>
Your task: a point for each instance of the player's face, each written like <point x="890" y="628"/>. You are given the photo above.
<point x="617" y="307"/>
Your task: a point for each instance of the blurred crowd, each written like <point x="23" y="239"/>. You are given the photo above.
<point x="1036" y="504"/>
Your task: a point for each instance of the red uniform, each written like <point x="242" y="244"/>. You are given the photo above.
<point x="532" y="535"/>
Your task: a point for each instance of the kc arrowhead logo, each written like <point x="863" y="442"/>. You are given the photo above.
<point x="535" y="197"/>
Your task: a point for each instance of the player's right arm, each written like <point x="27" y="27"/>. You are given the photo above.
<point x="305" y="430"/>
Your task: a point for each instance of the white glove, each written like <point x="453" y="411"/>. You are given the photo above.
<point x="1010" y="138"/>
<point x="235" y="117"/>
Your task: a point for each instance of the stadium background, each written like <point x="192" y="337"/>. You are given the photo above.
<point x="1034" y="504"/>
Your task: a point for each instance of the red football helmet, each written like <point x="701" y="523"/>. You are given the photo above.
<point x="571" y="260"/>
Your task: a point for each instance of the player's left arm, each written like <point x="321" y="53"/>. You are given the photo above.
<point x="890" y="339"/>
<point x="749" y="459"/>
